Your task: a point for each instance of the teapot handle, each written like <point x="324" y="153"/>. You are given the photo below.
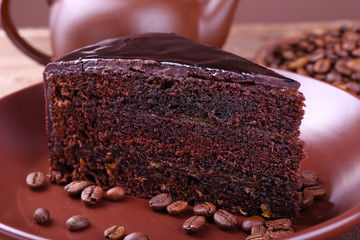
<point x="14" y="36"/>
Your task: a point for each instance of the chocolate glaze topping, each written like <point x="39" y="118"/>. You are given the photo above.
<point x="163" y="47"/>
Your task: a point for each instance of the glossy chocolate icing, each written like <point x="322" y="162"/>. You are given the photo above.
<point x="170" y="48"/>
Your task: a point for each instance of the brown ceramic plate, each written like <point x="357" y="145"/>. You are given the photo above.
<point x="331" y="130"/>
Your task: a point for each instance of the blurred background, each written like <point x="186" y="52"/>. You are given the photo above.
<point x="30" y="13"/>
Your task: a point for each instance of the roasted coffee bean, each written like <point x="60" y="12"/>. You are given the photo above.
<point x="205" y="209"/>
<point x="225" y="220"/>
<point x="252" y="221"/>
<point x="258" y="229"/>
<point x="177" y="207"/>
<point x="353" y="86"/>
<point x="353" y="65"/>
<point x="258" y="236"/>
<point x="194" y="224"/>
<point x="322" y="66"/>
<point x="136" y="236"/>
<point x="76" y="187"/>
<point x="160" y="201"/>
<point x="279" y="222"/>
<point x="356" y="52"/>
<point x="91" y="195"/>
<point x="316" y="55"/>
<point x="35" y="180"/>
<point x="318" y="191"/>
<point x="114" y="232"/>
<point x="77" y="222"/>
<point x="279" y="231"/>
<point x="307" y="182"/>
<point x="298" y="63"/>
<point x="308" y="199"/>
<point x="41" y="216"/>
<point x="333" y="77"/>
<point x="341" y="67"/>
<point x="115" y="193"/>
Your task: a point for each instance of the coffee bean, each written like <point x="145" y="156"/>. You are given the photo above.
<point x="279" y="222"/>
<point x="356" y="52"/>
<point x="318" y="191"/>
<point x="279" y="231"/>
<point x="225" y="220"/>
<point x="322" y="66"/>
<point x="160" y="201"/>
<point x="333" y="76"/>
<point x="308" y="199"/>
<point x="252" y="221"/>
<point x="41" y="216"/>
<point x="340" y="51"/>
<point x="341" y="67"/>
<point x="136" y="236"/>
<point x="115" y="193"/>
<point x="77" y="222"/>
<point x="348" y="45"/>
<point x="353" y="86"/>
<point x="194" y="224"/>
<point x="205" y="209"/>
<point x="310" y="174"/>
<point x="114" y="232"/>
<point x="258" y="229"/>
<point x="258" y="236"/>
<point x="91" y="195"/>
<point x="353" y="65"/>
<point x="298" y="63"/>
<point x="307" y="182"/>
<point x="35" y="180"/>
<point x="177" y="207"/>
<point x="76" y="187"/>
<point x="316" y="55"/>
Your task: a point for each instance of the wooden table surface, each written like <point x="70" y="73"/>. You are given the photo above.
<point x="17" y="71"/>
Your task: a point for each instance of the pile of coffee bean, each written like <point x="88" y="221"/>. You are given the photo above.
<point x="90" y="194"/>
<point x="331" y="55"/>
<point x="256" y="226"/>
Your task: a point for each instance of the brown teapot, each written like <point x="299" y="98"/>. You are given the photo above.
<point x="77" y="23"/>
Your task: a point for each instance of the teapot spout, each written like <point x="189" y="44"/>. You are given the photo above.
<point x="215" y="20"/>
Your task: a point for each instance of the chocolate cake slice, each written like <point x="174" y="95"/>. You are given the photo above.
<point x="161" y="113"/>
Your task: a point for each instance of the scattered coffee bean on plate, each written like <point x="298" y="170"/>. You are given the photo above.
<point x="205" y="209"/>
<point x="114" y="232"/>
<point x="77" y="222"/>
<point x="41" y="216"/>
<point x="76" y="187"/>
<point x="35" y="180"/>
<point x="225" y="220"/>
<point x="177" y="207"/>
<point x="91" y="195"/>
<point x="115" y="193"/>
<point x="136" y="236"/>
<point x="160" y="201"/>
<point x="194" y="224"/>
